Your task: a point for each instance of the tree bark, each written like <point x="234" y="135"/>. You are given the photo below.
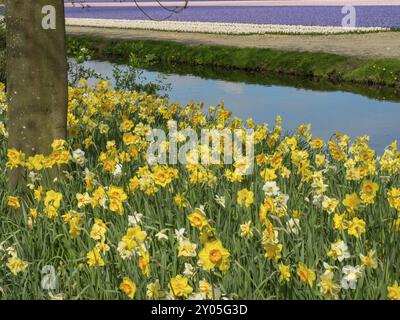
<point x="37" y="84"/>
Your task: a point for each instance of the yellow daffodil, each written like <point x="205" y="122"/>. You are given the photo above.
<point x="197" y="219"/>
<point x="94" y="258"/>
<point x="306" y="274"/>
<point x="284" y="272"/>
<point x="128" y="287"/>
<point x="369" y="261"/>
<point x="99" y="230"/>
<point x="179" y="287"/>
<point x="394" y="291"/>
<point x="352" y="202"/>
<point x="13" y="202"/>
<point x="214" y="255"/>
<point x="16" y="265"/>
<point x="328" y="288"/>
<point x="245" y="198"/>
<point x="356" y="227"/>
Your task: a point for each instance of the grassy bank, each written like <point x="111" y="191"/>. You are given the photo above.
<point x="383" y="93"/>
<point x="317" y="66"/>
<point x="270" y="63"/>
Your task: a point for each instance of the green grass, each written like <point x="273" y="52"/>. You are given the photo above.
<point x="317" y="66"/>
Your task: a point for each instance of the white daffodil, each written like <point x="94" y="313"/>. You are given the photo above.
<point x="123" y="252"/>
<point x="281" y="200"/>
<point x="189" y="270"/>
<point x="118" y="170"/>
<point x="196" y="296"/>
<point x="317" y="199"/>
<point x="339" y="250"/>
<point x="246" y="230"/>
<point x="351" y="275"/>
<point x="11" y="251"/>
<point x="172" y="124"/>
<point x="220" y="200"/>
<point x="180" y="234"/>
<point x="201" y="209"/>
<point x="135" y="219"/>
<point x="161" y="235"/>
<point x="78" y="156"/>
<point x="328" y="268"/>
<point x="293" y="226"/>
<point x="33" y="176"/>
<point x="271" y="189"/>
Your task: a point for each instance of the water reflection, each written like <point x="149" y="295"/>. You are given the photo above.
<point x="327" y="111"/>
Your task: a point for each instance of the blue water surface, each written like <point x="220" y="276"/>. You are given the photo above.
<point x="327" y="112"/>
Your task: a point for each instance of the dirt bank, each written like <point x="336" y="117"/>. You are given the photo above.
<point x="370" y="45"/>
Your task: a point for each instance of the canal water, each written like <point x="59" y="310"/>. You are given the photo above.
<point x="328" y="108"/>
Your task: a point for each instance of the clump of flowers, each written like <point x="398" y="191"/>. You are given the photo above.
<point x="118" y="220"/>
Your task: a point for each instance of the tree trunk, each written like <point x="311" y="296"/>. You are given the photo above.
<point x="37" y="84"/>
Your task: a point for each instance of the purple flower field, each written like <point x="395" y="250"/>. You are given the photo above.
<point x="367" y="16"/>
<point x="127" y="1"/>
